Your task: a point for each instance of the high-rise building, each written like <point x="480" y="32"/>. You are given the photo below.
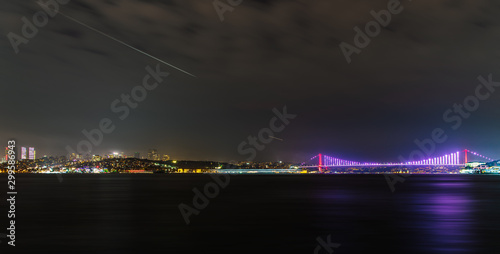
<point x="87" y="157"/>
<point x="153" y="155"/>
<point x="96" y="157"/>
<point x="31" y="153"/>
<point x="6" y="154"/>
<point x="137" y="155"/>
<point x="23" y="153"/>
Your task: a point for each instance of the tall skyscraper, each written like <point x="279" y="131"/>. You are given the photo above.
<point x="153" y="155"/>
<point x="31" y="153"/>
<point x="6" y="154"/>
<point x="137" y="155"/>
<point x="23" y="153"/>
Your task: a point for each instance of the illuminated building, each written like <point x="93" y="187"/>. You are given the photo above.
<point x="137" y="155"/>
<point x="23" y="153"/>
<point x="96" y="158"/>
<point x="6" y="154"/>
<point x="474" y="164"/>
<point x="153" y="155"/>
<point x="31" y="153"/>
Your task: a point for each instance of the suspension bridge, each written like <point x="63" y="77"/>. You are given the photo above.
<point x="459" y="158"/>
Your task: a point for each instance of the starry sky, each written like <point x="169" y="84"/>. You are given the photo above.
<point x="263" y="55"/>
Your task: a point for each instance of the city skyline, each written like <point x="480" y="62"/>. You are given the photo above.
<point x="418" y="157"/>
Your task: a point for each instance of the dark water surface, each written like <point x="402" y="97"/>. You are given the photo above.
<point x="255" y="214"/>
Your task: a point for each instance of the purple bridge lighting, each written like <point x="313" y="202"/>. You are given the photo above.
<point x="453" y="159"/>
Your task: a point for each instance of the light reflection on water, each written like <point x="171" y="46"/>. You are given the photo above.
<point x="426" y="214"/>
<point x="444" y="217"/>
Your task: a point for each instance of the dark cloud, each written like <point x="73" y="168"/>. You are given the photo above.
<point x="95" y="51"/>
<point x="265" y="54"/>
<point x="72" y="33"/>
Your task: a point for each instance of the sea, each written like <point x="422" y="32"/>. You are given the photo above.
<point x="253" y="213"/>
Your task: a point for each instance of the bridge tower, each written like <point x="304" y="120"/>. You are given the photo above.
<point x="465" y="162"/>
<point x="320" y="162"/>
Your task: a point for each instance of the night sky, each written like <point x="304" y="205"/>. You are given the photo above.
<point x="263" y="55"/>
